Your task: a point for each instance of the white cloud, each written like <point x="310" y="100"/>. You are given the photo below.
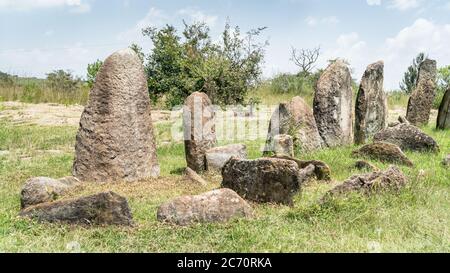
<point x="154" y="18"/>
<point x="374" y="2"/>
<point x="198" y="16"/>
<point x="71" y="57"/>
<point x="314" y="21"/>
<point x="397" y="51"/>
<point x="77" y="6"/>
<point x="422" y="36"/>
<point x="405" y="4"/>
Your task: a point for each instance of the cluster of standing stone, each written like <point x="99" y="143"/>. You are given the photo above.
<point x="116" y="142"/>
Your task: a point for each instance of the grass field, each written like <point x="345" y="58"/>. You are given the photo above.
<point x="415" y="220"/>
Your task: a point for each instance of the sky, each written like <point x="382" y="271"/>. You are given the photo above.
<point x="39" y="36"/>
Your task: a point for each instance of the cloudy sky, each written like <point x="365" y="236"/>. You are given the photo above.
<point x="41" y="35"/>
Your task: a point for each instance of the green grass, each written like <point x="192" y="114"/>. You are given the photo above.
<point x="415" y="220"/>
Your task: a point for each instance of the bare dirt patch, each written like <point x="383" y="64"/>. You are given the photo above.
<point x="50" y="114"/>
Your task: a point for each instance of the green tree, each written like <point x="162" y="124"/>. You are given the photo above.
<point x="6" y="80"/>
<point x="136" y="48"/>
<point x="179" y="66"/>
<point x="411" y="76"/>
<point x="92" y="70"/>
<point x="60" y="80"/>
<point x="443" y="83"/>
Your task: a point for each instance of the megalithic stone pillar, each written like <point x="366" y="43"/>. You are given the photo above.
<point x="421" y="100"/>
<point x="199" y="130"/>
<point x="115" y="141"/>
<point x="371" y="109"/>
<point x="333" y="101"/>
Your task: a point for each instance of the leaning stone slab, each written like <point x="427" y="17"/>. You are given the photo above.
<point x="371" y="104"/>
<point x="216" y="206"/>
<point x="115" y="141"/>
<point x="443" y="120"/>
<point x="333" y="101"/>
<point x="43" y="189"/>
<point x="407" y="137"/>
<point x="265" y="180"/>
<point x="295" y="119"/>
<point x="191" y="175"/>
<point x="218" y="156"/>
<point x="384" y="152"/>
<point x="390" y="179"/>
<point x="107" y="208"/>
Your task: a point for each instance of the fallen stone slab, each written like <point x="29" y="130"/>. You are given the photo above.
<point x="43" y="189"/>
<point x="408" y="137"/>
<point x="390" y="179"/>
<point x="365" y="166"/>
<point x="265" y="180"/>
<point x="218" y="156"/>
<point x="191" y="175"/>
<point x="321" y="169"/>
<point x="384" y="152"/>
<point x="107" y="208"/>
<point x="220" y="205"/>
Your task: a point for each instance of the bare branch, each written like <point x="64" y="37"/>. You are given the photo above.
<point x="305" y="58"/>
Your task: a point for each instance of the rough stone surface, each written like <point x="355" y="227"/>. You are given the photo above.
<point x="283" y="145"/>
<point x="270" y="180"/>
<point x="365" y="166"/>
<point x="297" y="120"/>
<point x="105" y="208"/>
<point x="43" y="189"/>
<point x="191" y="175"/>
<point x="390" y="179"/>
<point x="199" y="130"/>
<point x="371" y="109"/>
<point x="333" y="105"/>
<point x="421" y="100"/>
<point x="219" y="205"/>
<point x="321" y="170"/>
<point x="217" y="157"/>
<point x="115" y="140"/>
<point x="407" y="137"/>
<point x="446" y="161"/>
<point x="385" y="152"/>
<point x="443" y="120"/>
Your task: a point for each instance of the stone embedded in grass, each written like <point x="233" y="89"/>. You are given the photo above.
<point x="218" y="156"/>
<point x="408" y="137"/>
<point x="446" y="161"/>
<point x="390" y="179"/>
<point x="43" y="189"/>
<point x="265" y="180"/>
<point x="283" y="145"/>
<point x="199" y="129"/>
<point x="333" y="101"/>
<point x="296" y="119"/>
<point x="421" y="100"/>
<point x="365" y="166"/>
<point x="194" y="177"/>
<point x="321" y="170"/>
<point x="443" y="120"/>
<point x="115" y="140"/>
<point x="220" y="205"/>
<point x="385" y="152"/>
<point x="371" y="104"/>
<point x="107" y="208"/>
